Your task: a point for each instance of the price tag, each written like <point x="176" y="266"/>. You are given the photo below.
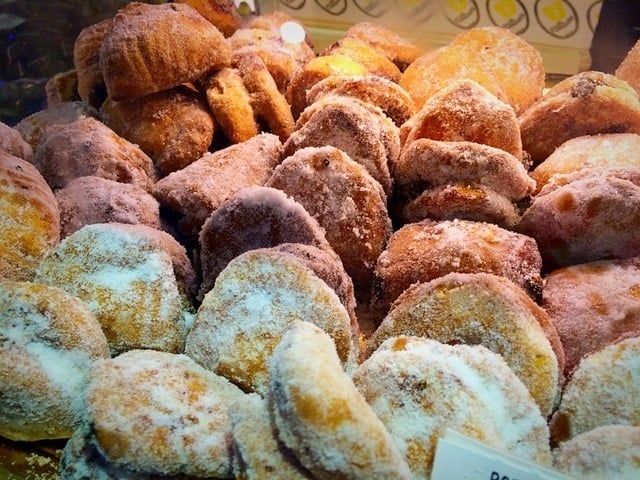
<point x="461" y="457"/>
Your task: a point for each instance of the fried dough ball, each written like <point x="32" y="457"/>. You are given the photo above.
<point x="363" y="53"/>
<point x="254" y="302"/>
<point x="12" y="143"/>
<point x="592" y="304"/>
<point x="420" y="387"/>
<point x="254" y="217"/>
<point x="587" y="103"/>
<point x="138" y="57"/>
<point x="49" y="339"/>
<point x="629" y="68"/>
<point x="482" y="309"/>
<point x="603" y="390"/>
<point x="222" y="13"/>
<point x="86" y="61"/>
<point x="320" y="415"/>
<point x="345" y="200"/>
<point x="29" y="218"/>
<point x="174" y="127"/>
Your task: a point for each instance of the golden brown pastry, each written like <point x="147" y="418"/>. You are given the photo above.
<point x="86" y="60"/>
<point x="174" y="127"/>
<point x="29" y="218"/>
<point x="12" y="143"/>
<point x="321" y="416"/>
<point x="363" y="53"/>
<point x="222" y="13"/>
<point x="629" y="68"/>
<point x="62" y="87"/>
<point x="274" y="21"/>
<point x="138" y="56"/>
<point x="49" y="339"/>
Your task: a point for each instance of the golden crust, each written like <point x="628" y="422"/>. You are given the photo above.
<point x="62" y="87"/>
<point x="222" y="13"/>
<point x="151" y="48"/>
<point x="364" y="54"/>
<point x="629" y="68"/>
<point x="11" y="142"/>
<point x="86" y="60"/>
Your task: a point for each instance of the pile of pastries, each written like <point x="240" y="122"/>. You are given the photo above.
<point x="227" y="255"/>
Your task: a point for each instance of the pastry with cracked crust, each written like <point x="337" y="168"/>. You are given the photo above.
<point x="255" y="300"/>
<point x="254" y="217"/>
<point x="12" y="143"/>
<point x="29" y="218"/>
<point x="423" y="251"/>
<point x="592" y="304"/>
<point x="321" y="416"/>
<point x="359" y="129"/>
<point x="160" y="413"/>
<point x="482" y="309"/>
<point x="195" y="192"/>
<point x="420" y="387"/>
<point x="604" y="389"/>
<point x="363" y="53"/>
<point x="88" y="200"/>
<point x="586" y="103"/>
<point x="345" y="200"/>
<point x="604" y="150"/>
<point x="48" y="341"/>
<point x="223" y="14"/>
<point x="586" y="216"/>
<point x="174" y="127"/>
<point x="138" y="57"/>
<point x="129" y="279"/>
<point x="465" y="111"/>
<point x="394" y="101"/>
<point x="87" y="147"/>
<point x="609" y="451"/>
<point x="86" y="61"/>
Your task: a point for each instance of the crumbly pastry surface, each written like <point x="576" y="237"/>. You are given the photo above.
<point x="48" y="341"/>
<point x="86" y="61"/>
<point x="365" y="54"/>
<point x="419" y="387"/>
<point x="223" y="14"/>
<point x="322" y="417"/>
<point x="11" y="142"/>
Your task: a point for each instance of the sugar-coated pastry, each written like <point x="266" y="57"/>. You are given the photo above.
<point x="126" y="276"/>
<point x="465" y="111"/>
<point x="603" y="390"/>
<point x="345" y="200"/>
<point x="255" y="300"/>
<point x="12" y="143"/>
<point x="222" y="13"/>
<point x="48" y="341"/>
<point x="62" y="88"/>
<point x="274" y="21"/>
<point x="139" y="57"/>
<point x="483" y="309"/>
<point x="174" y="127"/>
<point x="425" y="250"/>
<point x="320" y="415"/>
<point x="87" y="200"/>
<point x="629" y="68"/>
<point x="29" y="218"/>
<point x="160" y="413"/>
<point x="420" y="387"/>
<point x="87" y="147"/>
<point x="86" y="61"/>
<point x="254" y="217"/>
<point x="193" y="193"/>
<point x="609" y="451"/>
<point x="586" y="103"/>
<point x="365" y="54"/>
<point x="592" y="304"/>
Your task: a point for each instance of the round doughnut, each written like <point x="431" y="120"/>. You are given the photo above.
<point x="126" y="276"/>
<point x="161" y="413"/>
<point x="87" y="147"/>
<point x="88" y="200"/>
<point x="603" y="390"/>
<point x="394" y="101"/>
<point x="174" y="127"/>
<point x="137" y="57"/>
<point x="254" y="301"/>
<point x="466" y="111"/>
<point x="593" y="217"/>
<point x="629" y="68"/>
<point x="605" y="150"/>
<point x="257" y="452"/>
<point x="420" y="387"/>
<point x="193" y="193"/>
<point x="592" y="304"/>
<point x="49" y="339"/>
<point x="400" y="51"/>
<point x="423" y="251"/>
<point x="12" y="143"/>
<point x="345" y="200"/>
<point x="482" y="309"/>
<point x="230" y="104"/>
<point x="363" y="53"/>
<point x="254" y="217"/>
<point x="321" y="417"/>
<point x="222" y="13"/>
<point x="586" y="103"/>
<point x="609" y="451"/>
<point x="29" y="218"/>
<point x="359" y="129"/>
<point x="86" y="61"/>
<point x="314" y="70"/>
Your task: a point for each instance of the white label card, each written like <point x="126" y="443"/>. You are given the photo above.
<point x="462" y="458"/>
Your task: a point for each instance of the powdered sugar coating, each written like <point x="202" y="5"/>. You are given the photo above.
<point x="12" y="142"/>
